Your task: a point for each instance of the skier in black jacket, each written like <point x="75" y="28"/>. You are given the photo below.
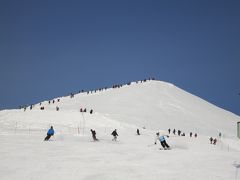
<point x="115" y="134"/>
<point x="94" y="135"/>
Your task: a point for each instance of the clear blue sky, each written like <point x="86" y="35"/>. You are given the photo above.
<point x="52" y="48"/>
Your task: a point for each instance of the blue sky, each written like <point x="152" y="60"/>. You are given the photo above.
<point x="52" y="48"/>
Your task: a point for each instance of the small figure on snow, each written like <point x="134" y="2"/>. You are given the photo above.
<point x="179" y="132"/>
<point x="195" y="135"/>
<point x="220" y="135"/>
<point x="174" y="131"/>
<point x="49" y="134"/>
<point x="138" y="132"/>
<point x="162" y="140"/>
<point x="191" y="134"/>
<point x="215" y="141"/>
<point x="169" y="131"/>
<point x="211" y="140"/>
<point x="94" y="135"/>
<point x="115" y="134"/>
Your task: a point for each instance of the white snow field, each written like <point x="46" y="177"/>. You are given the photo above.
<point x="150" y="106"/>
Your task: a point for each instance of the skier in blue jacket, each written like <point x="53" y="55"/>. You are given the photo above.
<point x="162" y="140"/>
<point x="49" y="134"/>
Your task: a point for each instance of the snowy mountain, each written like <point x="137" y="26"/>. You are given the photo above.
<point x="149" y="106"/>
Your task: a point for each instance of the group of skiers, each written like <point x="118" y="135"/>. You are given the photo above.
<point x="51" y="132"/>
<point x="213" y="141"/>
<point x="180" y="133"/>
<point x="85" y="110"/>
<point x="159" y="137"/>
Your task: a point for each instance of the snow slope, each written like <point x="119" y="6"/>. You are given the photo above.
<point x="155" y="105"/>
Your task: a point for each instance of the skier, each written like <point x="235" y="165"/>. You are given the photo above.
<point x="49" y="134"/>
<point x="190" y="134"/>
<point x="162" y="140"/>
<point x="94" y="135"/>
<point x="215" y="141"/>
<point x="220" y="135"/>
<point x="179" y="132"/>
<point x="138" y="133"/>
<point x="115" y="134"/>
<point x="211" y="140"/>
<point x="169" y="131"/>
<point x="174" y="131"/>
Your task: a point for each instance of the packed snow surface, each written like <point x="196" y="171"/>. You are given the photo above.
<point x="150" y="107"/>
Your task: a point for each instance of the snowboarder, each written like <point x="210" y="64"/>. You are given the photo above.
<point x="115" y="134"/>
<point x="162" y="140"/>
<point x="138" y="133"/>
<point x="49" y="134"/>
<point x="94" y="135"/>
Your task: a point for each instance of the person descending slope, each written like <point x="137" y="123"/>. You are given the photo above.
<point x="94" y="135"/>
<point x="138" y="132"/>
<point x="49" y="134"/>
<point x="115" y="134"/>
<point x="162" y="140"/>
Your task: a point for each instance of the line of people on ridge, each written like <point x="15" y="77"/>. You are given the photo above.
<point x="82" y="91"/>
<point x="105" y="88"/>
